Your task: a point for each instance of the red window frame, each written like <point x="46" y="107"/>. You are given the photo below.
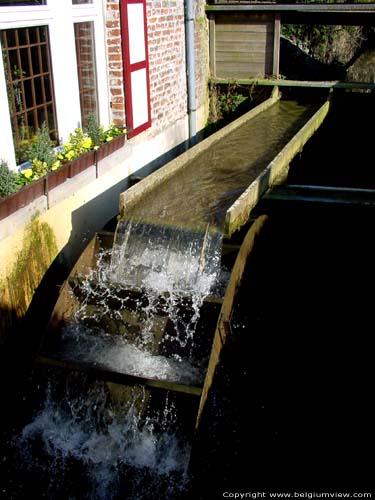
<point x="131" y="68"/>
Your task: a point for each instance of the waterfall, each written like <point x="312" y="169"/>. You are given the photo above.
<point x="138" y="313"/>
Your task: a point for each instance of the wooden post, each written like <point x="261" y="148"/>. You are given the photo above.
<point x="212" y="43"/>
<point x="276" y="45"/>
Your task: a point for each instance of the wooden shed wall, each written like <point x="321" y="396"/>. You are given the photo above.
<point x="242" y="45"/>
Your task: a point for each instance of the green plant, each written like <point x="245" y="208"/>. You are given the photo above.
<point x="94" y="131"/>
<point x="41" y="154"/>
<point x="111" y="132"/>
<point x="8" y="180"/>
<point x="79" y="143"/>
<point x="26" y="176"/>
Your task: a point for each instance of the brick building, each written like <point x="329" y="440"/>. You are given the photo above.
<point x="123" y="60"/>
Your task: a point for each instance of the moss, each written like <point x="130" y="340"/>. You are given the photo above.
<point x="39" y="248"/>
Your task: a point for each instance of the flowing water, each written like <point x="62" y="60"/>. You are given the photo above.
<point x="138" y="313"/>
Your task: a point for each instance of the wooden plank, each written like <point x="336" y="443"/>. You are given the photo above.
<point x="223" y="326"/>
<point x="276" y="45"/>
<point x="244" y="46"/>
<point x="234" y="15"/>
<point x="118" y="297"/>
<point x="321" y="194"/>
<point x="244" y="28"/>
<point x="257" y="8"/>
<point x="235" y="72"/>
<point x="212" y="44"/>
<point x="119" y="378"/>
<point x="241" y="60"/>
<point x="255" y="69"/>
<point x="226" y="37"/>
<point x="298" y="83"/>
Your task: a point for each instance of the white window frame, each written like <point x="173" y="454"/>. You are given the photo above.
<point x="59" y="16"/>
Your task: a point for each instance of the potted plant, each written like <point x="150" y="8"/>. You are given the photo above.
<point x="43" y="160"/>
<point x="104" y="141"/>
<point x="113" y="138"/>
<point x="78" y="152"/>
<point x="8" y="186"/>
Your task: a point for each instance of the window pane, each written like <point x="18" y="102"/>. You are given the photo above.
<point x="86" y="67"/>
<point x="29" y="81"/>
<point x="77" y="2"/>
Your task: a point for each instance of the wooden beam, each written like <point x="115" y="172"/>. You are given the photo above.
<point x="119" y="378"/>
<point x="212" y="42"/>
<point x="321" y="194"/>
<point x="362" y="8"/>
<point x="223" y="328"/>
<point x="276" y="44"/>
<point x="295" y="83"/>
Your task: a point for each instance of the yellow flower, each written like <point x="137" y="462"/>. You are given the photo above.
<point x="70" y="155"/>
<point x="56" y="165"/>
<point x="28" y="173"/>
<point x="109" y="138"/>
<point x="86" y="143"/>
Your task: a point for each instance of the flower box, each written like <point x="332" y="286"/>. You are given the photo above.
<point x="110" y="147"/>
<point x="21" y="198"/>
<point x="81" y="163"/>
<point x="57" y="177"/>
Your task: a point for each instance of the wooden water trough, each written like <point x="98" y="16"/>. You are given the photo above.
<point x="274" y="174"/>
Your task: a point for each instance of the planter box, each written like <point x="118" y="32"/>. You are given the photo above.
<point x="110" y="147"/>
<point x="81" y="163"/>
<point x="58" y="176"/>
<point x="21" y="198"/>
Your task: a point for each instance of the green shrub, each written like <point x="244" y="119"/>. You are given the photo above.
<point x="94" y="131"/>
<point x="41" y="154"/>
<point x="8" y="180"/>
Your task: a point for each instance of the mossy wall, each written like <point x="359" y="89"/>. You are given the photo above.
<point x="32" y="260"/>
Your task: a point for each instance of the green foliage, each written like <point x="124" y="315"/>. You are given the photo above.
<point x="111" y="132"/>
<point x="224" y="100"/>
<point x="94" y="131"/>
<point x="26" y="177"/>
<point x="8" y="180"/>
<point x="230" y="101"/>
<point x="78" y="144"/>
<point x="329" y="44"/>
<point x="41" y="154"/>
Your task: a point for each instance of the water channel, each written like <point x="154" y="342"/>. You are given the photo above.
<point x="83" y="437"/>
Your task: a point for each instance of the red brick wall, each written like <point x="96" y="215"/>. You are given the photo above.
<point x="166" y="44"/>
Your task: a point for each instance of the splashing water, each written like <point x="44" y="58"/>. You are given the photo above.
<point x="137" y="313"/>
<point x="101" y="441"/>
<point x="165" y="259"/>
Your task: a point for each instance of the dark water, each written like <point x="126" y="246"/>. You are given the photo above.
<point x="291" y="408"/>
